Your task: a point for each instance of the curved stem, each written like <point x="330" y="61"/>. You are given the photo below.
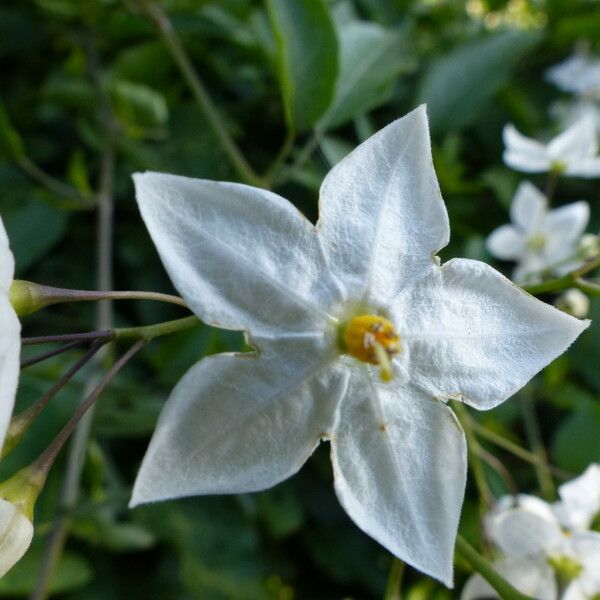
<point x="149" y="332"/>
<point x="394" y="582"/>
<point x="179" y="55"/>
<point x="487" y="571"/>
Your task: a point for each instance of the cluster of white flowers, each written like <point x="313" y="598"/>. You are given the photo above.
<point x="578" y="75"/>
<point x="16" y="529"/>
<point x="548" y="551"/>
<point x="360" y="338"/>
<point x="545" y="242"/>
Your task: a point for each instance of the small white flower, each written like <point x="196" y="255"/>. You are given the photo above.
<point x="539" y="239"/>
<point x="360" y="337"/>
<point x="568" y="112"/>
<point x="16" y="533"/>
<point x="578" y="74"/>
<point x="580" y="499"/>
<point x="10" y="337"/>
<point x="574" y="302"/>
<point x="573" y="152"/>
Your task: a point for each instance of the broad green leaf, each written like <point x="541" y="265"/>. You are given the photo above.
<point x="307" y="58"/>
<point x="11" y="144"/>
<point x="371" y="58"/>
<point x="458" y="86"/>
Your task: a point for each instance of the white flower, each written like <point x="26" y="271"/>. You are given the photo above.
<point x="539" y="239"/>
<point x="16" y="533"/>
<point x="573" y="152"/>
<point x="10" y="337"/>
<point x="529" y="534"/>
<point x="574" y="302"/>
<point x="320" y="304"/>
<point x="579" y="74"/>
<point x="570" y="111"/>
<point x="580" y="499"/>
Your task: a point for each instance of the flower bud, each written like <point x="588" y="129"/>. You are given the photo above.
<point x="589" y="245"/>
<point x="16" y="533"/>
<point x="25" y="297"/>
<point x="574" y="303"/>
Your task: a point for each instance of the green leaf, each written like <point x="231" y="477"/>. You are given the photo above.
<point x="575" y="444"/>
<point x="371" y="58"/>
<point x="11" y="143"/>
<point x="307" y="58"/>
<point x="458" y="86"/>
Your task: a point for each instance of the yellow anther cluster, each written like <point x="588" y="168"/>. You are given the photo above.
<point x="372" y="339"/>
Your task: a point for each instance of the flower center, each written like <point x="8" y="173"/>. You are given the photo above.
<point x="373" y="340"/>
<point x="536" y="242"/>
<point x="566" y="568"/>
<point x="557" y="167"/>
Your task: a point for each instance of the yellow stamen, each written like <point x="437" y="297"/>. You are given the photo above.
<point x="372" y="339"/>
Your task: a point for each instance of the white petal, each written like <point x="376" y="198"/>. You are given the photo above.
<point x="581" y="498"/>
<point x="520" y="532"/>
<point x="563" y="226"/>
<point x="243" y="258"/>
<point x="528" y="207"/>
<point x="576" y="144"/>
<point x="241" y="423"/>
<point x="399" y="462"/>
<point x="10" y="349"/>
<point x="585" y="168"/>
<point x="523" y="153"/>
<point x="16" y="533"/>
<point x="475" y="336"/>
<point x="575" y="591"/>
<point x="382" y="217"/>
<point x="7" y="261"/>
<point x="532" y="577"/>
<point x="506" y="242"/>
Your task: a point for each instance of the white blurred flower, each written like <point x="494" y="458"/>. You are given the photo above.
<point x="16" y="533"/>
<point x="539" y="239"/>
<point x="537" y="552"/>
<point x="580" y="499"/>
<point x="360" y="337"/>
<point x="578" y="74"/>
<point x="573" y="152"/>
<point x="574" y="302"/>
<point x="568" y="112"/>
<point x="10" y="337"/>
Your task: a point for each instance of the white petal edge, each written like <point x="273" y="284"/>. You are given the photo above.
<point x="382" y="217"/>
<point x="242" y="257"/>
<point x="528" y="207"/>
<point x="7" y="261"/>
<point x="523" y="153"/>
<point x="475" y="336"/>
<point x="10" y="349"/>
<point x="506" y="243"/>
<point x="241" y="423"/>
<point x="581" y="498"/>
<point x="399" y="461"/>
<point x="563" y="227"/>
<point x="16" y="533"/>
<point x="575" y="144"/>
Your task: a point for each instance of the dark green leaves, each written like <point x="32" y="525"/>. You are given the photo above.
<point x="307" y="59"/>
<point x="459" y="85"/>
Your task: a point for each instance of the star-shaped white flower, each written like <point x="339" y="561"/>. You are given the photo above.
<point x="578" y="74"/>
<point x="573" y="152"/>
<point x="10" y="337"/>
<point x="538" y="553"/>
<point x="580" y="500"/>
<point x="334" y="311"/>
<point x="539" y="239"/>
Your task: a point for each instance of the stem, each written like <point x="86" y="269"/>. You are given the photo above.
<point x="280" y="159"/>
<point x="551" y="183"/>
<point x="394" y="582"/>
<point x="149" y="332"/>
<point x="54" y="185"/>
<point x="513" y="448"/>
<point x="487" y="571"/>
<point x="45" y="461"/>
<point x="475" y="462"/>
<point x="40" y="357"/>
<point x="504" y="473"/>
<point x="304" y="154"/>
<point x="534" y="436"/>
<point x="573" y="279"/>
<point x="68" y="337"/>
<point x="21" y="422"/>
<point x="181" y="58"/>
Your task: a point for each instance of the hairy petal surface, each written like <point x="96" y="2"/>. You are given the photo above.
<point x="532" y="577"/>
<point x="242" y="423"/>
<point x="506" y="242"/>
<point x="242" y="257"/>
<point x="475" y="336"/>
<point x="399" y="460"/>
<point x="382" y="217"/>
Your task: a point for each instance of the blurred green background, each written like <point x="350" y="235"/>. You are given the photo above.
<point x="314" y="78"/>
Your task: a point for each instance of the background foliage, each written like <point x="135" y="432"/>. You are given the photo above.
<point x="315" y="78"/>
